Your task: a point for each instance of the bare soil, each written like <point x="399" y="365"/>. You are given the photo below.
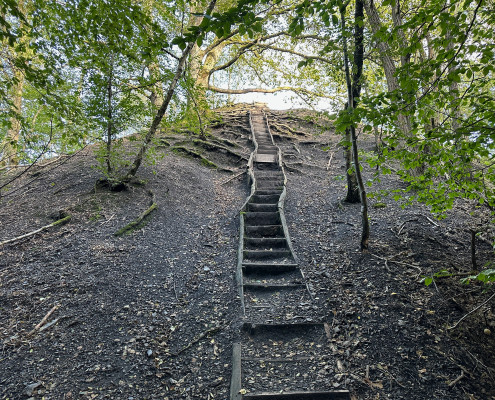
<point x="153" y="314"/>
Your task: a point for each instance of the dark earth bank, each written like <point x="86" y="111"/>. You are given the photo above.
<point x="153" y="314"/>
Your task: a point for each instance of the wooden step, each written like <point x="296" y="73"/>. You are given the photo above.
<point x="262" y="207"/>
<point x="262" y="218"/>
<point x="252" y="267"/>
<point x="333" y="395"/>
<point x="266" y="254"/>
<point x="265" y="243"/>
<point x="265" y="198"/>
<point x="264" y="230"/>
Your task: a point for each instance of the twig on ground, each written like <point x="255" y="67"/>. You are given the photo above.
<point x="329" y="161"/>
<point x="44" y="319"/>
<point x="470" y="312"/>
<point x="104" y="222"/>
<point x="58" y="222"/>
<point x="433" y="222"/>
<point x="404" y="224"/>
<point x="139" y="220"/>
<point x="198" y="338"/>
<point x="397" y="262"/>
<point x="233" y="177"/>
<point x="457" y="379"/>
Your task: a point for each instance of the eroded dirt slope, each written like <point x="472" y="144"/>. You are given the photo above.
<point x="152" y="315"/>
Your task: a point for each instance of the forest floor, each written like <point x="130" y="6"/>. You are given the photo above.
<point x="153" y="314"/>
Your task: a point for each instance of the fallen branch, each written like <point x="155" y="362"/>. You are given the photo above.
<point x="131" y="226"/>
<point x="470" y="312"/>
<point x="457" y="379"/>
<point x="44" y="319"/>
<point x="198" y="338"/>
<point x="397" y="262"/>
<point x="58" y="222"/>
<point x="329" y="161"/>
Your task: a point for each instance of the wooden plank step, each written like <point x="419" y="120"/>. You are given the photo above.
<point x="333" y="395"/>
<point x="265" y="243"/>
<point x="265" y="198"/>
<point x="278" y="277"/>
<point x="262" y="218"/>
<point x="266" y="158"/>
<point x="266" y="254"/>
<point x="269" y="191"/>
<point x="262" y="207"/>
<point x="264" y="230"/>
<point x="249" y="267"/>
<point x="273" y="286"/>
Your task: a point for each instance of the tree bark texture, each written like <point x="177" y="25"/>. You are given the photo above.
<point x="388" y="63"/>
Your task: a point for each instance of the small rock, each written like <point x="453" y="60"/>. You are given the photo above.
<point x="31" y="388"/>
<point x="149" y="353"/>
<point x="206" y="269"/>
<point x="487" y="331"/>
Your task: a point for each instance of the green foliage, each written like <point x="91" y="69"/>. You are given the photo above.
<point x="486" y="276"/>
<point x="428" y="280"/>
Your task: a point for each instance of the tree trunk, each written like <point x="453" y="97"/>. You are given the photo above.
<point x="163" y="108"/>
<point x="109" y="116"/>
<point x="10" y="150"/>
<point x="388" y="63"/>
<point x="365" y="234"/>
<point x="352" y="195"/>
<point x="397" y="20"/>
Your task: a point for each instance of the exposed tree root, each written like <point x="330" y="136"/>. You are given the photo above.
<point x="139" y="221"/>
<point x="290" y="168"/>
<point x="191" y="153"/>
<point x="283" y="128"/>
<point x="163" y="143"/>
<point x="212" y="146"/>
<point x="58" y="222"/>
<point x="223" y="141"/>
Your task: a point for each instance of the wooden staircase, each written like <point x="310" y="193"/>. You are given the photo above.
<point x="282" y="353"/>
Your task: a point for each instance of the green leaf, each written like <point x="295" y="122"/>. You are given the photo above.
<point x="427" y="280"/>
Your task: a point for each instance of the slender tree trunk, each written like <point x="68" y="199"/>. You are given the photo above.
<point x="163" y="108"/>
<point x="11" y="155"/>
<point x="352" y="195"/>
<point x="109" y="116"/>
<point x="365" y="234"/>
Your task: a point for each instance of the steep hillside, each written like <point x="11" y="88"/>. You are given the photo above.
<point x="152" y="314"/>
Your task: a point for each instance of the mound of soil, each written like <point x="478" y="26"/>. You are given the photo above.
<point x="153" y="314"/>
